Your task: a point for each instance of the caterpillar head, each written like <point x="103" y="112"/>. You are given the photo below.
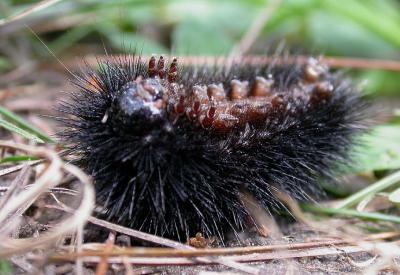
<point x="139" y="103"/>
<point x="139" y="106"/>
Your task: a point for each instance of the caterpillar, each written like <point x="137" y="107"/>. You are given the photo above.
<point x="172" y="147"/>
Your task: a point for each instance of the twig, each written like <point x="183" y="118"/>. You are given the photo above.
<point x="332" y="61"/>
<point x="167" y="252"/>
<point x="163" y="242"/>
<point x="139" y="235"/>
<point x="362" y="63"/>
<point x="321" y="251"/>
<point x="170" y="243"/>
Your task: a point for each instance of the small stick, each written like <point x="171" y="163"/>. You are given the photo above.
<point x="332" y="61"/>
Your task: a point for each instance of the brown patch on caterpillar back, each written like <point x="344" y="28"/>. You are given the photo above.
<point x="262" y="87"/>
<point x="314" y="71"/>
<point x="321" y="93"/>
<point x="217" y="108"/>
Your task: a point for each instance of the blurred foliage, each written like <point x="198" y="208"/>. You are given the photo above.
<point x="360" y="28"/>
<point x="351" y="28"/>
<point x="382" y="147"/>
<point x="16" y="124"/>
<point x="5" y="268"/>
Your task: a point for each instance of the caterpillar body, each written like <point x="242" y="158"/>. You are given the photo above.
<point x="171" y="147"/>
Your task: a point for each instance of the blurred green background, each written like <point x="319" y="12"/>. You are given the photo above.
<point x="358" y="28"/>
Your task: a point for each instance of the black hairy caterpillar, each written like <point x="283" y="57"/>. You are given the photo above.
<point x="171" y="147"/>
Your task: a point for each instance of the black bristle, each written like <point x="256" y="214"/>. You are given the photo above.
<point x="171" y="177"/>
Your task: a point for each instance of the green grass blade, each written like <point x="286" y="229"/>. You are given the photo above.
<point x="374" y="216"/>
<point x="13" y="128"/>
<point x="21" y="124"/>
<point x="386" y="182"/>
<point x="12" y="159"/>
